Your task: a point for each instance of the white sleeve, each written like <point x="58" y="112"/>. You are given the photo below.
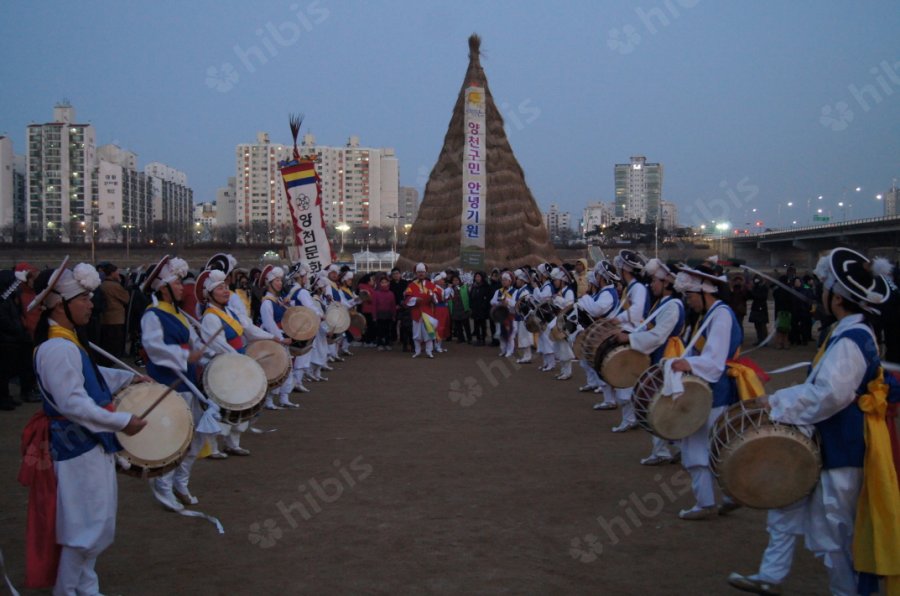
<point x="116" y="378"/>
<point x="160" y="353"/>
<point x="598" y="307"/>
<point x="237" y="305"/>
<point x="267" y="314"/>
<point x="648" y="340"/>
<point x="58" y="364"/>
<point x="308" y="301"/>
<point x="637" y="299"/>
<point x="251" y="331"/>
<point x="710" y="364"/>
<point x="833" y="388"/>
<point x="210" y="325"/>
<point x="495" y="299"/>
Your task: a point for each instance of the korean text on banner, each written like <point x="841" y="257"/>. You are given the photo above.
<point x="304" y="197"/>
<point x="474" y="190"/>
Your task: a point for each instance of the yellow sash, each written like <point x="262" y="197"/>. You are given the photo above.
<point x="245" y="298"/>
<point x="170" y="308"/>
<point x="876" y="533"/>
<point x="238" y="328"/>
<point x="674" y="348"/>
<point x="748" y="384"/>
<point x="61" y="332"/>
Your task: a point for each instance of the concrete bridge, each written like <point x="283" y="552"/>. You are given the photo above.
<point x="802" y="246"/>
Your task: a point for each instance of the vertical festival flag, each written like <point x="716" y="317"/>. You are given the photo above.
<point x="474" y="190"/>
<point x="303" y="189"/>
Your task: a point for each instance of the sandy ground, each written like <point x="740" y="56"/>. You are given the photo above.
<point x="463" y="474"/>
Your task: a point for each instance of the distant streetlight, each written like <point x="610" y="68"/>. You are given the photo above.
<point x="342" y="227"/>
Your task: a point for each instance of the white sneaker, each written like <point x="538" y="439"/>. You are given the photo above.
<point x="286" y="403"/>
<point x="586" y="388"/>
<point x="300" y="388"/>
<point x="429" y="355"/>
<point x="563" y="377"/>
<point x="625" y="427"/>
<point x="523" y="361"/>
<point x="416" y="355"/>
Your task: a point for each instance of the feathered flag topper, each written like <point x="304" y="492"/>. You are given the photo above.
<point x="303" y="190"/>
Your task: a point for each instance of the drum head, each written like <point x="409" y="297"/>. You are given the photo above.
<point x="499" y="313"/>
<point x="533" y="324"/>
<point x="596" y="336"/>
<point x="767" y="469"/>
<point x="234" y="381"/>
<point x="169" y="430"/>
<point x="678" y="418"/>
<point x="300" y="323"/>
<point x="358" y="321"/>
<point x="337" y="317"/>
<point x="273" y="359"/>
<point x="621" y="366"/>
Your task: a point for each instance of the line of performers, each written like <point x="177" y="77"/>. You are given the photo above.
<point x="851" y="517"/>
<point x="71" y="448"/>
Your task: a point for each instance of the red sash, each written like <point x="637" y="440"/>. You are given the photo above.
<point x="37" y="473"/>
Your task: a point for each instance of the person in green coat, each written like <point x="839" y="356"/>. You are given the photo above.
<point x="459" y="310"/>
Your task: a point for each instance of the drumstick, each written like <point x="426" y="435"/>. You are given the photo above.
<point x="159" y="399"/>
<point x="113" y="359"/>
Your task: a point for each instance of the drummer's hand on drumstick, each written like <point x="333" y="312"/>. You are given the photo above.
<point x="286" y="341"/>
<point x="141" y="379"/>
<point x="134" y="426"/>
<point x="195" y="356"/>
<point x="622" y="337"/>
<point x="757" y="402"/>
<point x="681" y="365"/>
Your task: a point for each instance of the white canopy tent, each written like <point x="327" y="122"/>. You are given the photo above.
<point x="374" y="261"/>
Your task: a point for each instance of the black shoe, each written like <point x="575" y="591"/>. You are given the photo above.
<point x="7" y="406"/>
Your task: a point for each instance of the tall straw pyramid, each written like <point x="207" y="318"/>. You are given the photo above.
<point x="515" y="233"/>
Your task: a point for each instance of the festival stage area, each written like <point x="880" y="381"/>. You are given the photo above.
<point x="462" y="474"/>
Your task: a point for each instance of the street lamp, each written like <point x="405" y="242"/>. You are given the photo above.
<point x="342" y="227"/>
<point x="127" y="240"/>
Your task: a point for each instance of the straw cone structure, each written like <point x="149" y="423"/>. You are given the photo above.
<point x="515" y="233"/>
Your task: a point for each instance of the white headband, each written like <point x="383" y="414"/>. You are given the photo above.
<point x="213" y="280"/>
<point x="274" y="273"/>
<point x="84" y="279"/>
<point x="173" y="269"/>
<point x="420" y="268"/>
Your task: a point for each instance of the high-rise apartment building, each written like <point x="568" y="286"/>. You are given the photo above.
<point x="124" y="196"/>
<point x="261" y="211"/>
<point x="172" y="202"/>
<point x="408" y="205"/>
<point x="360" y="185"/>
<point x="7" y="184"/>
<point x="668" y="217"/>
<point x="557" y="221"/>
<point x="596" y="215"/>
<point x="638" y="190"/>
<point x="60" y="159"/>
<point x="891" y="197"/>
<point x="226" y="204"/>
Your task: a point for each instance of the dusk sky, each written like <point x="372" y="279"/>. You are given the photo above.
<point x="746" y="104"/>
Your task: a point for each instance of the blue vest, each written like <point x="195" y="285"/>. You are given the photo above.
<point x="615" y="300"/>
<point x="277" y="311"/>
<point x="69" y="440"/>
<point x="657" y="354"/>
<point x="725" y="389"/>
<point x="231" y="335"/>
<point x="517" y="294"/>
<point x="174" y="333"/>
<point x="842" y="436"/>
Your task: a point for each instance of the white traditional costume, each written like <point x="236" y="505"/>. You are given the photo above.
<point x="271" y="311"/>
<point x="635" y="305"/>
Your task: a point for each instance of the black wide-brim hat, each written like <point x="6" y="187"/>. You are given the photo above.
<point x="851" y="270"/>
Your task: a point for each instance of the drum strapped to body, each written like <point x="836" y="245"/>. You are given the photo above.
<point x="237" y="384"/>
<point x="357" y="323"/>
<point x="617" y="364"/>
<point x="525" y="306"/>
<point x="161" y="446"/>
<point x="546" y="311"/>
<point x="667" y="417"/>
<point x="300" y="323"/>
<point x="565" y="324"/>
<point x="273" y="359"/>
<point x="499" y="313"/>
<point x="534" y="324"/>
<point x="761" y="463"/>
<point x="337" y="317"/>
<point x="577" y="345"/>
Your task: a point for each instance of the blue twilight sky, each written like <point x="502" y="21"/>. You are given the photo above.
<point x="746" y="104"/>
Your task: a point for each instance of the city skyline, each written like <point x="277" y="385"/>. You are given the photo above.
<point x="748" y="107"/>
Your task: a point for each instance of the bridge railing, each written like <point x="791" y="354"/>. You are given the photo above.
<point x="822" y="227"/>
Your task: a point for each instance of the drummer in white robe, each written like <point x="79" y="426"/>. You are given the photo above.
<point x="299" y="295"/>
<point x="319" y="354"/>
<point x="218" y="322"/>
<point x="635" y="305"/>
<point x="524" y="338"/>
<point x="503" y="296"/>
<point x="271" y="311"/>
<point x="174" y="351"/>
<point x="79" y="403"/>
<point x="716" y="340"/>
<point x="600" y="304"/>
<point x="563" y="297"/>
<point x="828" y="401"/>
<point x="543" y="293"/>
<point x="664" y="325"/>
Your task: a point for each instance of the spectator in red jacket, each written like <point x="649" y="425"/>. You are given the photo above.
<point x="384" y="307"/>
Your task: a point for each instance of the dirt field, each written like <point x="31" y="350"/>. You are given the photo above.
<point x="465" y="474"/>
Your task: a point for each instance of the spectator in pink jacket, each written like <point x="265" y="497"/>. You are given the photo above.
<point x="384" y="306"/>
